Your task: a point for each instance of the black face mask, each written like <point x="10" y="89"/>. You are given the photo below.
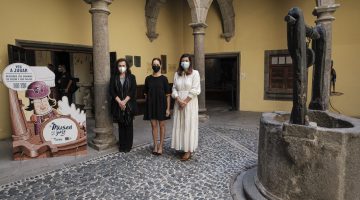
<point x="156" y="68"/>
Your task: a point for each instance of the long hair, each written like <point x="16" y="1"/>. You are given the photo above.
<point x="116" y="70"/>
<point x="180" y="70"/>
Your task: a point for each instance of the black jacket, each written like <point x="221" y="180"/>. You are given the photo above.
<point x="121" y="91"/>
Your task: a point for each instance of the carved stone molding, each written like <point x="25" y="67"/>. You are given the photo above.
<point x="228" y="18"/>
<point x="100" y="6"/>
<point x="152" y="8"/>
<point x="198" y="28"/>
<point x="325" y="13"/>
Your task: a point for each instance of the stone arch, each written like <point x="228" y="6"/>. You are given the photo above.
<point x="199" y="10"/>
<point x="228" y="18"/>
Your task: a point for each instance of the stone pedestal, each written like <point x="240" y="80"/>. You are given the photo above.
<point x="199" y="64"/>
<point x="297" y="162"/>
<point x="103" y="122"/>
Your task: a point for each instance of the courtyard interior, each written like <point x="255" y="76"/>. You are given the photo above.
<point x="227" y="146"/>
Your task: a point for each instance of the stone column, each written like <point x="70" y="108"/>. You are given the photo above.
<point x="104" y="137"/>
<point x="324" y="11"/>
<point x="199" y="61"/>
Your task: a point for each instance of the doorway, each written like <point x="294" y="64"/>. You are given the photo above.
<point x="62" y="58"/>
<point x="222" y="85"/>
<point x="76" y="58"/>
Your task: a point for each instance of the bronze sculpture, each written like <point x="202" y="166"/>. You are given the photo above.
<point x="319" y="47"/>
<point x="303" y="57"/>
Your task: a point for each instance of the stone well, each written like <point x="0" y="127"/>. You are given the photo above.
<point x="318" y="161"/>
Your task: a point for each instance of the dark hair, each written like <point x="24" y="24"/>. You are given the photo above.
<point x="158" y="59"/>
<point x="180" y="69"/>
<point x="30" y="107"/>
<point x="64" y="68"/>
<point x="116" y="70"/>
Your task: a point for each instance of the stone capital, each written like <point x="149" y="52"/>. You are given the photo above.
<point x="93" y="1"/>
<point x="325" y="12"/>
<point x="99" y="6"/>
<point x="198" y="28"/>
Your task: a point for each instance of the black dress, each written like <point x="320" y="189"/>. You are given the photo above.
<point x="156" y="90"/>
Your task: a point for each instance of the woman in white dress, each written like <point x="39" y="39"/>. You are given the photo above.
<point x="185" y="90"/>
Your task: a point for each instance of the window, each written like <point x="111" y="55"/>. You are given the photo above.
<point x="278" y="75"/>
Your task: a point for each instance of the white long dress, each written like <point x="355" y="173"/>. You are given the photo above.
<point x="186" y="121"/>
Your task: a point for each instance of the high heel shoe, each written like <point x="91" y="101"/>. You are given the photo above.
<point x="155" y="151"/>
<point x="186" y="156"/>
<point x="159" y="153"/>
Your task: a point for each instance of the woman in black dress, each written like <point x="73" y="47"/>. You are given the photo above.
<point x="157" y="93"/>
<point x="123" y="93"/>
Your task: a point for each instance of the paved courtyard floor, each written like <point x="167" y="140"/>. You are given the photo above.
<point x="227" y="146"/>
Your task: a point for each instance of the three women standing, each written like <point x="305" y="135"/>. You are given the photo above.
<point x="157" y="93"/>
<point x="123" y="93"/>
<point x="185" y="90"/>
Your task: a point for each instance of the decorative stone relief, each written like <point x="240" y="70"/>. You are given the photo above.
<point x="228" y="18"/>
<point x="152" y="8"/>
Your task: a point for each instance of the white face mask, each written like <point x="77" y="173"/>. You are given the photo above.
<point x="185" y="65"/>
<point x="122" y="69"/>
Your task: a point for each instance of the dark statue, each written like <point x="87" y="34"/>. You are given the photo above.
<point x="319" y="46"/>
<point x="303" y="57"/>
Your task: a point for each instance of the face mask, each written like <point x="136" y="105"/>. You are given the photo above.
<point x="156" y="68"/>
<point x="122" y="69"/>
<point x="185" y="65"/>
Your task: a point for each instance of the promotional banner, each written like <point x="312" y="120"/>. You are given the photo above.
<point x="42" y="126"/>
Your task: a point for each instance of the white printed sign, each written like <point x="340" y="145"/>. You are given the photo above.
<point x="18" y="76"/>
<point x="60" y="130"/>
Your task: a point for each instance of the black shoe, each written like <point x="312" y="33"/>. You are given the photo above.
<point x="154" y="152"/>
<point x="127" y="150"/>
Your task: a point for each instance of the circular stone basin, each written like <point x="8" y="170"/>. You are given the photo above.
<point x="317" y="161"/>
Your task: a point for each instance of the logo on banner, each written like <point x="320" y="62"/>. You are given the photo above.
<point x="18" y="76"/>
<point x="60" y="131"/>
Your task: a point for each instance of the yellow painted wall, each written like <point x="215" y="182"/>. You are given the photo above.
<point x="346" y="45"/>
<point x="260" y="26"/>
<point x="69" y="21"/>
<point x="169" y="42"/>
